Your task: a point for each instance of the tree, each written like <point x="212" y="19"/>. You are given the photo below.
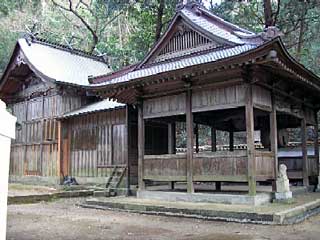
<point x="95" y="15"/>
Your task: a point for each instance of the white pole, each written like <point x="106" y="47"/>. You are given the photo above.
<point x="7" y="132"/>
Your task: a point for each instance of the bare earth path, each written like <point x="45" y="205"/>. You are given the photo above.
<point x="62" y="219"/>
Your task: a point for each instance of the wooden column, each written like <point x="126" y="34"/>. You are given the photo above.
<point x="59" y="164"/>
<point x="197" y="137"/>
<point x="250" y="142"/>
<point x="213" y="139"/>
<point x="316" y="143"/>
<point x="25" y="164"/>
<point x="171" y="138"/>
<point x="274" y="140"/>
<point x="171" y="144"/>
<point x="126" y="149"/>
<point x="141" y="129"/>
<point x="189" y="126"/>
<point x="305" y="170"/>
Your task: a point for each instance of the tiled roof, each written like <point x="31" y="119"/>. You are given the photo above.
<point x="233" y="41"/>
<point x="103" y="105"/>
<point x="179" y="64"/>
<point x="211" y="27"/>
<point x="61" y="65"/>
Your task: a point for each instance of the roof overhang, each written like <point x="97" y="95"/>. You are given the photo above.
<point x="130" y="91"/>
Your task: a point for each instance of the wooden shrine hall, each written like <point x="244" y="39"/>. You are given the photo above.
<point x="206" y="71"/>
<point x="204" y="77"/>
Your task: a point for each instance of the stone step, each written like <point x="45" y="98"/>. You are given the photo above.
<point x="105" y="193"/>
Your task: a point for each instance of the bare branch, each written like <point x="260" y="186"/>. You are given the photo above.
<point x="95" y="37"/>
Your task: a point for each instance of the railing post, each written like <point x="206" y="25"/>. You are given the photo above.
<point x="171" y="138"/>
<point x="213" y="139"/>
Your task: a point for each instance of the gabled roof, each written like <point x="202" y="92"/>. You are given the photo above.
<point x="210" y="26"/>
<point x="103" y="105"/>
<point x="53" y="62"/>
<point x="176" y="65"/>
<point x="224" y="40"/>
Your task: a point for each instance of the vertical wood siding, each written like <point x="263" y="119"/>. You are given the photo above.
<point x="97" y="141"/>
<point x="35" y="149"/>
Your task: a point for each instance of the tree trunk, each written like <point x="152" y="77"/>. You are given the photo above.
<point x="268" y="19"/>
<point x="301" y="33"/>
<point x="159" y="23"/>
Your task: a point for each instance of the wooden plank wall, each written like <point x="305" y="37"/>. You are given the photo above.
<point x="164" y="106"/>
<point x="35" y="149"/>
<point x="97" y="142"/>
<point x="261" y="98"/>
<point x="264" y="165"/>
<point x="210" y="166"/>
<point x="218" y="98"/>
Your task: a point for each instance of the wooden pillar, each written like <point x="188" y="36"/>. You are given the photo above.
<point x="274" y="140"/>
<point x="197" y="137"/>
<point x="126" y="149"/>
<point x="65" y="147"/>
<point x="171" y="138"/>
<point x="141" y="139"/>
<point x="59" y="164"/>
<point x="305" y="170"/>
<point x="25" y="162"/>
<point x="250" y="141"/>
<point x="213" y="139"/>
<point x="189" y="126"/>
<point x="316" y="143"/>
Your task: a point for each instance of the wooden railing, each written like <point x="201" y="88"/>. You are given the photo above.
<point x="264" y="165"/>
<point x="167" y="167"/>
<point x="220" y="166"/>
<point x="210" y="166"/>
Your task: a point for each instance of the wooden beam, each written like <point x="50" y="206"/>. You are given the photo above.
<point x="305" y="169"/>
<point x="274" y="139"/>
<point x="250" y="141"/>
<point x="189" y="126"/>
<point x="141" y="140"/>
<point x="213" y="139"/>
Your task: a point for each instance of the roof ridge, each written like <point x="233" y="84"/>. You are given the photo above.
<point x="63" y="47"/>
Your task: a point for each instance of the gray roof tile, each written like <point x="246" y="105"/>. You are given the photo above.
<point x="61" y="65"/>
<point x="105" y="104"/>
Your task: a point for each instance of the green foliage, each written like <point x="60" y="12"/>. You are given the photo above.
<point x="126" y="28"/>
<point x="292" y="12"/>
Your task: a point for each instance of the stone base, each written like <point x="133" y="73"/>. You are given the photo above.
<point x="283" y="196"/>
<point x="242" y="199"/>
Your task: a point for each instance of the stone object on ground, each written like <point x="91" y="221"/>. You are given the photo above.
<point x="318" y="186"/>
<point x="283" y="189"/>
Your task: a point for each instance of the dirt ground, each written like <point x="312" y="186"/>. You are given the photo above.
<point x="63" y="219"/>
<point x="16" y="189"/>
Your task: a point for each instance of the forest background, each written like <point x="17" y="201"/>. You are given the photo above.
<point x="122" y="31"/>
